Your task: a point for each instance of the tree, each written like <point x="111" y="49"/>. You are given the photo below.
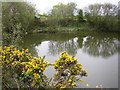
<point x="102" y="16"/>
<point x="17" y="18"/>
<point x="109" y="9"/>
<point x="63" y="10"/>
<point x="61" y="14"/>
<point x="106" y="9"/>
<point x="80" y="16"/>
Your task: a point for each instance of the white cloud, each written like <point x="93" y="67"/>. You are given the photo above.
<point x="46" y="5"/>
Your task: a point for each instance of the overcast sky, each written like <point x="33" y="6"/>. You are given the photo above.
<point x="46" y="5"/>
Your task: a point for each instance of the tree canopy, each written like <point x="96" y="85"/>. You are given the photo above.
<point x="103" y="16"/>
<point x="64" y="10"/>
<point x="17" y="19"/>
<point x="102" y="9"/>
<point x="17" y="16"/>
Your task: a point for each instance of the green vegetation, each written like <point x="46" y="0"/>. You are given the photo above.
<point x="21" y="18"/>
<point x="80" y="16"/>
<point x="62" y="18"/>
<point x="75" y="28"/>
<point x="21" y="70"/>
<point x="103" y="16"/>
<point x="17" y="18"/>
<point x="67" y="16"/>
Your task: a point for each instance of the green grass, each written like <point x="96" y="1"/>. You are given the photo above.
<point x="74" y="28"/>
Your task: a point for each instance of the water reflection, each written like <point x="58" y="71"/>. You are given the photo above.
<point x="70" y="46"/>
<point x="82" y="46"/>
<point x="100" y="46"/>
<point x="95" y="44"/>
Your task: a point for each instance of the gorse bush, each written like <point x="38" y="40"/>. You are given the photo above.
<point x="21" y="70"/>
<point x="25" y="70"/>
<point x="67" y="71"/>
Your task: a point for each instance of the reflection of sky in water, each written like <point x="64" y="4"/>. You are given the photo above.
<point x="84" y="39"/>
<point x="98" y="52"/>
<point x="101" y="71"/>
<point x="42" y="49"/>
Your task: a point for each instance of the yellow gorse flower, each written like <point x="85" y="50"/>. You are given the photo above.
<point x="67" y="66"/>
<point x="21" y="61"/>
<point x="36" y="76"/>
<point x="30" y="69"/>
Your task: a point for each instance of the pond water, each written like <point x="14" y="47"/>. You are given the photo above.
<point x="97" y="52"/>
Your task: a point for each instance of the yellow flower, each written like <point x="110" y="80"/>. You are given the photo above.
<point x="81" y="81"/>
<point x="8" y="49"/>
<point x="23" y="63"/>
<point x="36" y="66"/>
<point x="29" y="70"/>
<point x="33" y="66"/>
<point x="26" y="50"/>
<point x="3" y="57"/>
<point x="70" y="80"/>
<point x="32" y="84"/>
<point x="87" y="85"/>
<point x="62" y="87"/>
<point x="73" y="84"/>
<point x="36" y="75"/>
<point x="35" y="58"/>
<point x="79" y="65"/>
<point x="11" y="46"/>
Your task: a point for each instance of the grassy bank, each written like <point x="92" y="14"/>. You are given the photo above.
<point x="54" y="29"/>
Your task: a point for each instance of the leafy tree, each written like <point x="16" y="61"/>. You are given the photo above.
<point x="61" y="14"/>
<point x="63" y="10"/>
<point x="17" y="18"/>
<point x="102" y="16"/>
<point x="17" y="15"/>
<point x="109" y="9"/>
<point x="80" y="16"/>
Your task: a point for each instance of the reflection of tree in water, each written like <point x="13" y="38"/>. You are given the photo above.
<point x="80" y="41"/>
<point x="29" y="43"/>
<point x="32" y="40"/>
<point x="70" y="46"/>
<point x="97" y="44"/>
<point x="100" y="46"/>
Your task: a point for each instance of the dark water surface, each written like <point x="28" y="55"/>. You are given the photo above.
<point x="98" y="52"/>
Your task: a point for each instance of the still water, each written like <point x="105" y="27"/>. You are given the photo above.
<point x="97" y="52"/>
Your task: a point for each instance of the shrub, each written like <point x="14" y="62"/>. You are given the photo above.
<point x="24" y="71"/>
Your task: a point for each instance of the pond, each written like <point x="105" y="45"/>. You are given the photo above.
<point x="97" y="52"/>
